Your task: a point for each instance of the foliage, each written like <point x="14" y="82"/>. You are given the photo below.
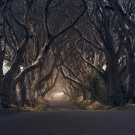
<point x="81" y="104"/>
<point x="40" y="105"/>
<point x="100" y="106"/>
<point x="6" y="103"/>
<point x="99" y="66"/>
<point x="94" y="85"/>
<point x="92" y="105"/>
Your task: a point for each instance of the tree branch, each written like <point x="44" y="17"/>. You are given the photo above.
<point x="46" y="47"/>
<point x="123" y="16"/>
<point x="101" y="73"/>
<point x="89" y="41"/>
<point x="69" y="78"/>
<point x="72" y="72"/>
<point x="47" y="77"/>
<point x="16" y="37"/>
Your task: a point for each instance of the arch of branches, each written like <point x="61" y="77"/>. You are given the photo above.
<point x="85" y="46"/>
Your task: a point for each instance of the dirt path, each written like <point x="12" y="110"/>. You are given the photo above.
<point x="60" y="105"/>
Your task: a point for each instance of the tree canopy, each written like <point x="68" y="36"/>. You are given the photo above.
<point x="86" y="46"/>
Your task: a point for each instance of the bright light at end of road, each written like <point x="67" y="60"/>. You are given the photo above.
<point x="58" y="94"/>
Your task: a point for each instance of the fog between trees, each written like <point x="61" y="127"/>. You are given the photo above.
<point x="87" y="46"/>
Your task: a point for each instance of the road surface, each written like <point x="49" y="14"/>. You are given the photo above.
<point x="68" y="122"/>
<point x="62" y="105"/>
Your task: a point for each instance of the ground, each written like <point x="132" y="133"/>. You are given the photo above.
<point x="56" y="120"/>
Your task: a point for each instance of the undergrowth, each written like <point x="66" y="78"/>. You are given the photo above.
<point x="40" y="105"/>
<point x="95" y="105"/>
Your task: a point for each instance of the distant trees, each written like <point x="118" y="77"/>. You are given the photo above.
<point x="75" y="71"/>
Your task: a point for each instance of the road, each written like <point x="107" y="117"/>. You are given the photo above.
<point x="62" y="105"/>
<point x="56" y="120"/>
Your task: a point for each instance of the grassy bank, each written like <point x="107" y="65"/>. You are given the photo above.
<point x="89" y="105"/>
<point x="40" y="105"/>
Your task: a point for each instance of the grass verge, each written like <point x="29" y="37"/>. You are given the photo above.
<point x="89" y="105"/>
<point x="40" y="105"/>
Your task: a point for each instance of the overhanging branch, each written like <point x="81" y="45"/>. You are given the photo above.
<point x="46" y="46"/>
<point x="89" y="41"/>
<point x="69" y="78"/>
<point x="101" y="73"/>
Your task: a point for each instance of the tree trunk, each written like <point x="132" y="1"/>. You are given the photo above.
<point x="114" y="91"/>
<point x="14" y="95"/>
<point x="96" y="60"/>
<point x="1" y="76"/>
<point x="84" y="93"/>
<point x="6" y="94"/>
<point x="28" y="85"/>
<point x="131" y="70"/>
<point x="113" y="83"/>
<point x="1" y="69"/>
<point x="36" y="94"/>
<point x="23" y="91"/>
<point x="34" y="86"/>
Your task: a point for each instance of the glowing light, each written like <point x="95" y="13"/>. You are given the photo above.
<point x="58" y="94"/>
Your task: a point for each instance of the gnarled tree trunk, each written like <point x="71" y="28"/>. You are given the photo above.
<point x="113" y="83"/>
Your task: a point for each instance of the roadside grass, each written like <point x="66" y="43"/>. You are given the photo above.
<point x="89" y="105"/>
<point x="40" y="105"/>
<point x="128" y="106"/>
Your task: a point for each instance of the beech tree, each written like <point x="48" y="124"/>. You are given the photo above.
<point x="110" y="42"/>
<point x="126" y="18"/>
<point x="46" y="40"/>
<point x="10" y="77"/>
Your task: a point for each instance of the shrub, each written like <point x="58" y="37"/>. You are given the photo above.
<point x="95" y="87"/>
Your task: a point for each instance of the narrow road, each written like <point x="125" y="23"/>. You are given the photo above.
<point x="56" y="120"/>
<point x="62" y="105"/>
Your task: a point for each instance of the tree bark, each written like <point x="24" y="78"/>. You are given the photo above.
<point x="84" y="93"/>
<point x="8" y="78"/>
<point x="113" y="83"/>
<point x="131" y="70"/>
